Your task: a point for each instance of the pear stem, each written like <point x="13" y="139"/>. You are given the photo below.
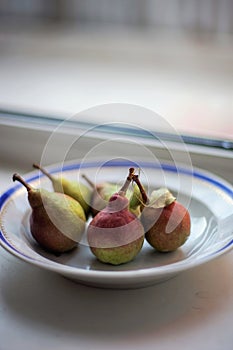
<point x="17" y="177"/>
<point x="88" y="181"/>
<point x="143" y="192"/>
<point x="45" y="172"/>
<point x="125" y="186"/>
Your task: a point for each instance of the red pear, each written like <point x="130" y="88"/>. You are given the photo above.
<point x="115" y="235"/>
<point x="166" y="222"/>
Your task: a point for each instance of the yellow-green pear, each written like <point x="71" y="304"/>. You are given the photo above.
<point x="74" y="189"/>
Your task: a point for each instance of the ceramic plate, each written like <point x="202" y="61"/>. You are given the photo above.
<point x="208" y="198"/>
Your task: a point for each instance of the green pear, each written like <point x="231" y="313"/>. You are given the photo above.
<point x="136" y="201"/>
<point x="57" y="221"/>
<point x="102" y="193"/>
<point x="74" y="189"/>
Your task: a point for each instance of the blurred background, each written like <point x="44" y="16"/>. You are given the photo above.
<point x="60" y="57"/>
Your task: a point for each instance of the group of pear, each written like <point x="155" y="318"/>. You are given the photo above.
<point x="121" y="219"/>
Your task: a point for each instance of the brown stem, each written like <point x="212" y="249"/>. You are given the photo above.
<point x="45" y="172"/>
<point x="89" y="181"/>
<point x="143" y="192"/>
<point x="125" y="186"/>
<point x="17" y="177"/>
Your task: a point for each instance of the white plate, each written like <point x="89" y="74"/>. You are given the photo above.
<point x="208" y="198"/>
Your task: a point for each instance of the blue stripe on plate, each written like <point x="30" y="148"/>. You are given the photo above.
<point x="119" y="163"/>
<point x="164" y="166"/>
<point x="4" y="240"/>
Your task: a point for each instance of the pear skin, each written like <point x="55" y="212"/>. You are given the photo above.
<point x="57" y="221"/>
<point x="74" y="189"/>
<point x="102" y="193"/>
<point x="171" y="227"/>
<point x="115" y="235"/>
<point x="166" y="222"/>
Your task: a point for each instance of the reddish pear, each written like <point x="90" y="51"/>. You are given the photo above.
<point x="166" y="222"/>
<point x="57" y="221"/>
<point x="116" y="235"/>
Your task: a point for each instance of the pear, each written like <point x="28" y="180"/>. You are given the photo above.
<point x="102" y="193"/>
<point x="167" y="222"/>
<point x="76" y="190"/>
<point x="136" y="201"/>
<point x="57" y="221"/>
<point x="115" y="235"/>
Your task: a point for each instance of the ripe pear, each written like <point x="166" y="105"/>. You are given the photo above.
<point x="167" y="222"/>
<point x="57" y="221"/>
<point x="115" y="235"/>
<point x="102" y="193"/>
<point x="136" y="201"/>
<point x="76" y="190"/>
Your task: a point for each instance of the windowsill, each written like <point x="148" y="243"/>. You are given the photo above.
<point x="23" y="144"/>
